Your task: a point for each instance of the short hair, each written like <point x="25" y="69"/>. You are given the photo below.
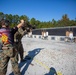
<point x="4" y="22"/>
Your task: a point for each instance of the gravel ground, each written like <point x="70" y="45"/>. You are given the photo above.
<point x="47" y="57"/>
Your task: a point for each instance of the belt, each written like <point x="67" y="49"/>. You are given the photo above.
<point x="6" y="47"/>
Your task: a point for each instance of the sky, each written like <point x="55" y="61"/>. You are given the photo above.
<point x="42" y="10"/>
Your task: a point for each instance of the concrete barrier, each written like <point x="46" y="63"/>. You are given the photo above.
<point x="56" y="38"/>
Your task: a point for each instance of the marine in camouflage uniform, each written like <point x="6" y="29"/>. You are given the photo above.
<point x="18" y="44"/>
<point x="7" y="50"/>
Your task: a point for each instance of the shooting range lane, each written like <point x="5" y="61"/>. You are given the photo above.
<point x="48" y="57"/>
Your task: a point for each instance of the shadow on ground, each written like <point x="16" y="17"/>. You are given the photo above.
<point x="52" y="71"/>
<point x="27" y="60"/>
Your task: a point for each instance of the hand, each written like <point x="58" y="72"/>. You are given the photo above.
<point x="22" y="21"/>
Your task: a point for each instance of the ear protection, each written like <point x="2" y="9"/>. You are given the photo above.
<point x="6" y="22"/>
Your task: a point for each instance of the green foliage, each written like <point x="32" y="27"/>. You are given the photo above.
<point x="32" y="21"/>
<point x="14" y="20"/>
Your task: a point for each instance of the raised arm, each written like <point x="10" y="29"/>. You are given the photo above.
<point x="20" y="24"/>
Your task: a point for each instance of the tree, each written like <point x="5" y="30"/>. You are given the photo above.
<point x="32" y="21"/>
<point x="65" y="20"/>
<point x="54" y="23"/>
<point x="14" y="20"/>
<point x="1" y="15"/>
<point x="37" y="22"/>
<point x="24" y="17"/>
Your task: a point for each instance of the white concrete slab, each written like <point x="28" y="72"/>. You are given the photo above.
<point x="48" y="57"/>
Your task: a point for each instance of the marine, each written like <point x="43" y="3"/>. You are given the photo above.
<point x="7" y="50"/>
<point x="18" y="43"/>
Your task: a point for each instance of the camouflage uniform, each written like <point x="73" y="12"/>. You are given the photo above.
<point x="8" y="53"/>
<point x="5" y="55"/>
<point x="18" y="44"/>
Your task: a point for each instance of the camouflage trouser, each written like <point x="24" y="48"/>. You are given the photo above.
<point x="5" y="55"/>
<point x="20" y="49"/>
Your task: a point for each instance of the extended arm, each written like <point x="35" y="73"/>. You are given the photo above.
<point x="21" y="31"/>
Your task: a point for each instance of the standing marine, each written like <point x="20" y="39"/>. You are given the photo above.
<point x="18" y="43"/>
<point x="7" y="50"/>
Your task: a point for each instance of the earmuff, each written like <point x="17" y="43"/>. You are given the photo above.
<point x="6" y="22"/>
